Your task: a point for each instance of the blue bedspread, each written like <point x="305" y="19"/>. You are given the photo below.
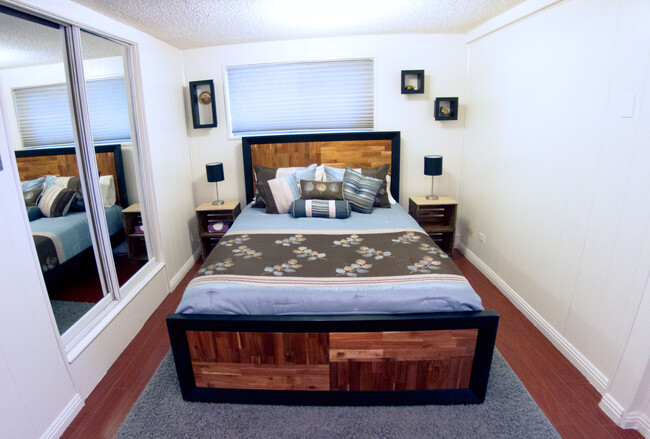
<point x="269" y="288"/>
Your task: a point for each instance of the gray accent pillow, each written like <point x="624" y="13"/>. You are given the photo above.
<point x="360" y="191"/>
<point x="56" y="201"/>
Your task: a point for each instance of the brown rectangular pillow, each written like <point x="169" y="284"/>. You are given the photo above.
<point x="321" y="190"/>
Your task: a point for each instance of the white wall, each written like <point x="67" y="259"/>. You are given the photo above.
<point x="35" y="384"/>
<point x="443" y="57"/>
<point x="557" y="178"/>
<point x="41" y="391"/>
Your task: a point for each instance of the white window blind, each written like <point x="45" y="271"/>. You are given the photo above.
<point x="44" y="113"/>
<point x="305" y="96"/>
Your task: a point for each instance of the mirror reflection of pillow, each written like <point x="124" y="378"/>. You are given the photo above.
<point x="56" y="201"/>
<point x="107" y="187"/>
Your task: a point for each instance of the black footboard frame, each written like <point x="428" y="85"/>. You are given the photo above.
<point x="183" y="328"/>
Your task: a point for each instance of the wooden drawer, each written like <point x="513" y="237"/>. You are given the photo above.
<point x="443" y="215"/>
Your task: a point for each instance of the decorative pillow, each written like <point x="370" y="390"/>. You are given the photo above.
<point x="263" y="174"/>
<point x="31" y="197"/>
<point x="56" y="201"/>
<point x="334" y="174"/>
<point x="34" y="213"/>
<point x="72" y="184"/>
<point x="360" y="191"/>
<point x="321" y="190"/>
<point x="279" y="193"/>
<point x="30" y="185"/>
<point x="320" y="209"/>
<point x="380" y="172"/>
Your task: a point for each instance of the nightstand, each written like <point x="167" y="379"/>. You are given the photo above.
<point x="135" y="241"/>
<point x="437" y="218"/>
<point x="207" y="215"/>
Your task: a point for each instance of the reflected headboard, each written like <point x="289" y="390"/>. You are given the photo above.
<point x="62" y="162"/>
<point x="341" y="150"/>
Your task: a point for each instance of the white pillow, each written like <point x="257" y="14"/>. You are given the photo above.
<point x="390" y="196"/>
<point x="320" y="173"/>
<point x="107" y="188"/>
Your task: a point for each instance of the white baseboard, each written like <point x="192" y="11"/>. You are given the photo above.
<point x="65" y="418"/>
<point x="638" y="421"/>
<point x="178" y="277"/>
<point x="612" y="408"/>
<point x="586" y="367"/>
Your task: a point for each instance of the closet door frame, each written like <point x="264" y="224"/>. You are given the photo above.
<point x="74" y="342"/>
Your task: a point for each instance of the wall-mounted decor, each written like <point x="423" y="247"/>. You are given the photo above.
<point x="204" y="111"/>
<point x="446" y="109"/>
<point x="412" y="81"/>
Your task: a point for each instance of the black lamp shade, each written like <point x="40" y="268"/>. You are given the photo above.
<point x="432" y="165"/>
<point x="214" y="171"/>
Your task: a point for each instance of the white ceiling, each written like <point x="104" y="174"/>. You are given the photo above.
<point x="189" y="24"/>
<point x="23" y="43"/>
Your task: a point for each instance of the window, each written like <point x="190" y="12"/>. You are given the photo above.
<point x="44" y="117"/>
<point x="300" y="97"/>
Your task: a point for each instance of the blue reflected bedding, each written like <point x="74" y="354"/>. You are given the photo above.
<point x="59" y="239"/>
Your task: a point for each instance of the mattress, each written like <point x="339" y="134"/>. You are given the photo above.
<point x="59" y="239"/>
<point x="378" y="263"/>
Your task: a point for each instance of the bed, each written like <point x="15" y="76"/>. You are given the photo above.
<point x="66" y="239"/>
<point x="392" y="322"/>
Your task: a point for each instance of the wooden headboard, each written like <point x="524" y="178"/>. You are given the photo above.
<point x="62" y="162"/>
<point x="341" y="150"/>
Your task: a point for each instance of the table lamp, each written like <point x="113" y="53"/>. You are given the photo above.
<point x="215" y="175"/>
<point x="432" y="167"/>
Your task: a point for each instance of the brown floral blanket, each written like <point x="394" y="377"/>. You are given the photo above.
<point x="328" y="272"/>
<point x="342" y="255"/>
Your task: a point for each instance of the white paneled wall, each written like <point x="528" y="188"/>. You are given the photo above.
<point x="443" y="57"/>
<point x="556" y="175"/>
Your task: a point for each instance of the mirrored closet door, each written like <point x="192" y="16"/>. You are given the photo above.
<point x="66" y="97"/>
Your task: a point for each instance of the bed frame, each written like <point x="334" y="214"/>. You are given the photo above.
<point x="439" y="358"/>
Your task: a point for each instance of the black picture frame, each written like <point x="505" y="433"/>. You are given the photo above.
<point x="450" y="105"/>
<point x="407" y="78"/>
<point x="199" y="117"/>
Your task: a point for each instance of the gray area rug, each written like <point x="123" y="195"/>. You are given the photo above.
<point x="508" y="412"/>
<point x="67" y="313"/>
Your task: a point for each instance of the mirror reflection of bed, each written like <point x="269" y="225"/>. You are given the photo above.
<point x="63" y="243"/>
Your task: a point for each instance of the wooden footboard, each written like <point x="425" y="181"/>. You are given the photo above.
<point x="441" y="358"/>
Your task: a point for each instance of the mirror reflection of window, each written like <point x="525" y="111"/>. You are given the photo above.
<point x="35" y="99"/>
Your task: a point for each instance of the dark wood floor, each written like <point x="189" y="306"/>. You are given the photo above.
<point x="80" y="282"/>
<point x="564" y="395"/>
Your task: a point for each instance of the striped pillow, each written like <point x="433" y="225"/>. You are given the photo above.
<point x="360" y="190"/>
<point x="320" y="209"/>
<point x="279" y="193"/>
<point x="56" y="201"/>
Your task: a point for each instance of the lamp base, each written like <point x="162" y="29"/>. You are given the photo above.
<point x="218" y="202"/>
<point x="432" y="197"/>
